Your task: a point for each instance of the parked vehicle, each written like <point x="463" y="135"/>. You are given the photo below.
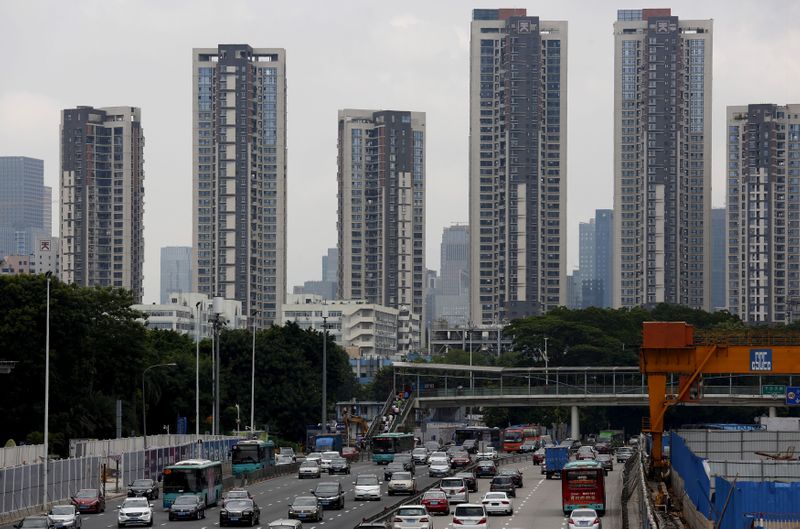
<point x="367" y="487"/>
<point x="187" y="507"/>
<point x="135" y="511"/>
<point x="89" y="500"/>
<point x="497" y="503"/>
<point x="436" y="501"/>
<point x="240" y="512"/>
<point x="555" y="458"/>
<point x="65" y="517"/>
<point x="143" y="487"/>
<point x="306" y="508"/>
<point x="470" y="516"/>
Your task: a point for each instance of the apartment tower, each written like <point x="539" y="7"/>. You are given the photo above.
<point x="381" y="207"/>
<point x="102" y="197"/>
<point x="239" y="177"/>
<point x="763" y="277"/>
<point x="517" y="164"/>
<point x="662" y="159"/>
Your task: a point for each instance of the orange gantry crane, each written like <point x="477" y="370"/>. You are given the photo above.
<point x="669" y="348"/>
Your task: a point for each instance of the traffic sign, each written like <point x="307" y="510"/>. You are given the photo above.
<point x="773" y="389"/>
<point x="793" y="396"/>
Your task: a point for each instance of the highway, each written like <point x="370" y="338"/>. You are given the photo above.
<point x="538" y="503"/>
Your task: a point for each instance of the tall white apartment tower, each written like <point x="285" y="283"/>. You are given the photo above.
<point x="517" y="165"/>
<point x="239" y="177"/>
<point x="381" y="211"/>
<point x="763" y="228"/>
<point x="662" y="159"/>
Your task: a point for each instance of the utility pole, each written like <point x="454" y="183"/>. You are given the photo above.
<point x="253" y="378"/>
<point x="198" y="323"/>
<point x="46" y="387"/>
<point x="324" y="422"/>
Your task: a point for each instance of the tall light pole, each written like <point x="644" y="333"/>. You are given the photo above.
<point x="198" y="323"/>
<point x="144" y="401"/>
<point x="47" y="275"/>
<point x="546" y="364"/>
<point x="253" y="378"/>
<point x="324" y="421"/>
<point x="471" y="376"/>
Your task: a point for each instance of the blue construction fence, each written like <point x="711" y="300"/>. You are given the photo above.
<point x="692" y="471"/>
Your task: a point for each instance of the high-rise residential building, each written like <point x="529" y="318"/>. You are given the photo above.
<point x="176" y="271"/>
<point x="517" y="164"/>
<point x="763" y="161"/>
<point x="662" y="159"/>
<point x="718" y="258"/>
<point x="23" y="195"/>
<point x="239" y="176"/>
<point x="452" y="294"/>
<point x="381" y="211"/>
<point x="102" y="197"/>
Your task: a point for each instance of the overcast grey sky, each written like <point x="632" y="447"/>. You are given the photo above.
<point x="410" y="55"/>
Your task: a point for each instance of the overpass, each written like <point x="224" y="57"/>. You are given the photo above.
<point x="452" y="385"/>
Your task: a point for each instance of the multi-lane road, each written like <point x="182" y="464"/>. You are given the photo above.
<point x="538" y="503"/>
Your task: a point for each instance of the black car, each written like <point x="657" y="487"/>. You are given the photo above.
<point x="244" y="511"/>
<point x="486" y="469"/>
<point x="407" y="460"/>
<point x="514" y="473"/>
<point x="330" y="495"/>
<point x="187" y="507"/>
<point x="393" y="467"/>
<point x="504" y="484"/>
<point x="339" y="465"/>
<point x="146" y="488"/>
<point x="36" y="522"/>
<point x="469" y="477"/>
<point x="306" y="508"/>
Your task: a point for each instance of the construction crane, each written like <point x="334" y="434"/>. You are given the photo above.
<point x="670" y="348"/>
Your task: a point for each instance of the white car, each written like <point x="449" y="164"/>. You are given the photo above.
<point x="456" y="490"/>
<point x="327" y="457"/>
<point x="402" y="483"/>
<point x="314" y="456"/>
<point x="65" y="517"/>
<point x="412" y="517"/>
<point x="439" y="455"/>
<point x="488" y="453"/>
<point x="470" y="516"/>
<point x="135" y="511"/>
<point x="439" y="467"/>
<point x="281" y="459"/>
<point x="420" y="456"/>
<point x="497" y="503"/>
<point x="367" y="487"/>
<point x="308" y="469"/>
<point x="287" y="451"/>
<point x="584" y="519"/>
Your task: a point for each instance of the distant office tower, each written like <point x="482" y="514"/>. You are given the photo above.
<point x="572" y="287"/>
<point x="176" y="271"/>
<point x="23" y="217"/>
<point x="518" y="170"/>
<point x="330" y="265"/>
<point x="381" y="213"/>
<point x="239" y="174"/>
<point x="328" y="287"/>
<point x="604" y="253"/>
<point x="718" y="258"/>
<point x="431" y="288"/>
<point x="452" y="294"/>
<point x="584" y="277"/>
<point x="662" y="159"/>
<point x="596" y="252"/>
<point x="764" y="212"/>
<point x="102" y="197"/>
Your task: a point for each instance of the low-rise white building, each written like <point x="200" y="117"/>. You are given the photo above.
<point x="186" y="309"/>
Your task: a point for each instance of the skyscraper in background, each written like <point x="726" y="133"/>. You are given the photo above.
<point x="381" y="210"/>
<point x="662" y="159"/>
<point x="584" y="277"/>
<point x="330" y="265"/>
<point x="604" y="254"/>
<point x="719" y="256"/>
<point x="102" y="197"/>
<point x="517" y="164"/>
<point x="176" y="271"/>
<point x="763" y="212"/>
<point x="239" y="176"/>
<point x="452" y="293"/>
<point x="594" y="278"/>
<point x="25" y="213"/>
<point x="328" y="287"/>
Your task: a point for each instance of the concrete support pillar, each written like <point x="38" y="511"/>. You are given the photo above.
<point x="575" y="431"/>
<point x="773" y="412"/>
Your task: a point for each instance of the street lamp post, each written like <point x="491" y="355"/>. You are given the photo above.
<point x="253" y="377"/>
<point x="546" y="364"/>
<point x="144" y="401"/>
<point x="323" y="424"/>
<point x="47" y="275"/>
<point x="198" y="323"/>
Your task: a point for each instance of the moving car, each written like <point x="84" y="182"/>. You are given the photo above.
<point x="470" y="446"/>
<point x="235" y="494"/>
<point x="330" y="494"/>
<point x="470" y="516"/>
<point x="135" y="511"/>
<point x="585" y="452"/>
<point x="456" y="489"/>
<point x="339" y="465"/>
<point x="143" y="487"/>
<point x="309" y="469"/>
<point x="515" y="473"/>
<point x="89" y="500"/>
<point x="439" y="454"/>
<point x="584" y="519"/>
<point x="503" y="484"/>
<point x="407" y="461"/>
<point x="65" y="517"/>
<point x="436" y="501"/>
<point x="412" y="517"/>
<point x="460" y="459"/>
<point x="391" y="468"/>
<point x="314" y="456"/>
<point x="374" y="525"/>
<point x="402" y="482"/>
<point x="488" y="452"/>
<point x="186" y="507"/>
<point x="607" y="461"/>
<point x="438" y="467"/>
<point x="350" y="453"/>
<point x="420" y="455"/>
<point x="367" y="487"/>
<point x="486" y="468"/>
<point x="624" y="453"/>
<point x="306" y="508"/>
<point x="283" y="523"/>
<point x="529" y="446"/>
<point x="35" y="522"/>
<point x="240" y="512"/>
<point x="469" y="477"/>
<point x="327" y="457"/>
<point x="497" y="503"/>
<point x="287" y="451"/>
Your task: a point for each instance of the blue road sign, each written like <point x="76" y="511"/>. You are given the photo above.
<point x="792" y="396"/>
<point x="760" y="359"/>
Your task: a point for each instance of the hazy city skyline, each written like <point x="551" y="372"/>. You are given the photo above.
<point x="413" y="57"/>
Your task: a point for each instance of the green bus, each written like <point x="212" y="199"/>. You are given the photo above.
<point x="385" y="446"/>
<point x="200" y="477"/>
<point x="251" y="455"/>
